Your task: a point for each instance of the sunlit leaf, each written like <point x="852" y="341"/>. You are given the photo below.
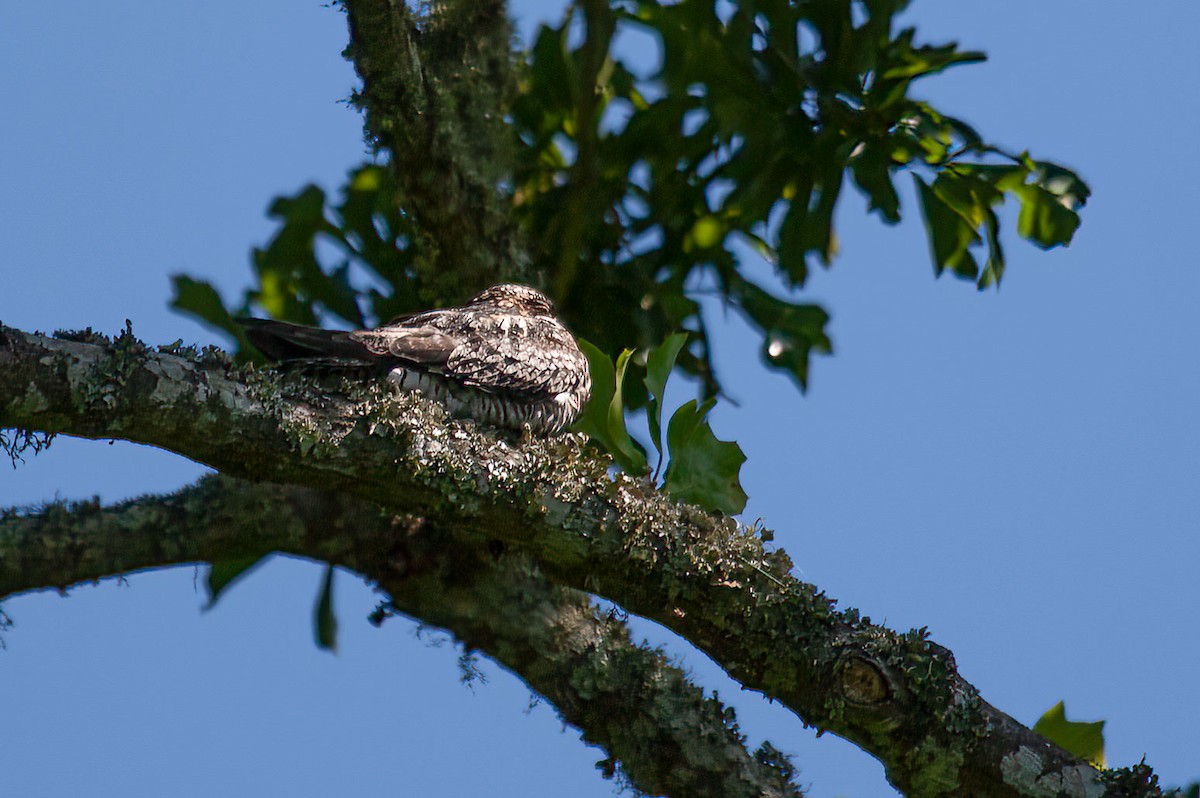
<point x="950" y="233"/>
<point x="603" y="419"/>
<point x="594" y="419"/>
<point x="1045" y="218"/>
<point x="1062" y="183"/>
<point x="659" y="363"/>
<point x="993" y="270"/>
<point x="791" y="332"/>
<point x="1084" y="740"/>
<point x="741" y="125"/>
<point x="632" y="457"/>
<point x="923" y="61"/>
<point x="703" y="470"/>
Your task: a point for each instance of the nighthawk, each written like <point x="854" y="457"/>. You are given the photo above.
<point x="502" y="358"/>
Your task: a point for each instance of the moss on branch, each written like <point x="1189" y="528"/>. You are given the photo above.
<point x="657" y="728"/>
<point x="896" y="695"/>
<point x="434" y="87"/>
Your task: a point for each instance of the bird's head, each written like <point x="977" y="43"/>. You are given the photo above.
<point x="515" y="298"/>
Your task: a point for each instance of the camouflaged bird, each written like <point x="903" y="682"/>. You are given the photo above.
<point x="502" y="358"/>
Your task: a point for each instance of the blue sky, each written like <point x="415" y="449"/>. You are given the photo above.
<point x="1016" y="471"/>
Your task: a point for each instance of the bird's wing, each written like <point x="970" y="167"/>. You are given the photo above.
<point x="517" y="355"/>
<point x="418" y="346"/>
<point x="421" y="346"/>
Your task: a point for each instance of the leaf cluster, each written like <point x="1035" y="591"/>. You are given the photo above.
<point x="700" y="468"/>
<point x="645" y="186"/>
<point x="349" y="262"/>
<point x="661" y="150"/>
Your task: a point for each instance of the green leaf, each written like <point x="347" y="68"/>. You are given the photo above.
<point x="291" y="279"/>
<point x="1062" y="182"/>
<point x="224" y="573"/>
<point x="791" y="332"/>
<point x="871" y="170"/>
<point x="817" y="234"/>
<point x="703" y="470"/>
<point x="1045" y="219"/>
<point x="659" y="363"/>
<point x="290" y="254"/>
<point x="594" y="419"/>
<point x="760" y="179"/>
<point x="324" y="621"/>
<point x="791" y="251"/>
<point x="994" y="269"/>
<point x="950" y="234"/>
<point x="923" y="61"/>
<point x="630" y="452"/>
<point x="603" y="420"/>
<point x="1004" y="177"/>
<point x="967" y="195"/>
<point x="972" y="196"/>
<point x="552" y="70"/>
<point x="1084" y="740"/>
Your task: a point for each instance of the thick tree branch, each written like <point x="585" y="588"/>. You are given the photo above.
<point x="667" y="737"/>
<point x="434" y="84"/>
<point x="898" y="696"/>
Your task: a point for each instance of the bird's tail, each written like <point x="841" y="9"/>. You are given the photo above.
<point x="280" y="340"/>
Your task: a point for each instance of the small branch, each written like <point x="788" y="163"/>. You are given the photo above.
<point x="569" y="227"/>
<point x="667" y="737"/>
<point x="897" y="696"/>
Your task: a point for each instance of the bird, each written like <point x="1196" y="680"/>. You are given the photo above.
<point x="502" y="358"/>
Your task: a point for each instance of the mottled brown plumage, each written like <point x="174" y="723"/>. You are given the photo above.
<point x="503" y="357"/>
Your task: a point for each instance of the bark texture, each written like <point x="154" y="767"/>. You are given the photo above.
<point x="896" y="695"/>
<point x="434" y="86"/>
<point x="667" y="738"/>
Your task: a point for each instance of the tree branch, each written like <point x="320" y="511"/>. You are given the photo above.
<point x="434" y="85"/>
<point x="569" y="227"/>
<point x="898" y="696"/>
<point x="666" y="736"/>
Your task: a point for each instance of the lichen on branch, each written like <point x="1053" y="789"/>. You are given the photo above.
<point x="435" y="82"/>
<point x="898" y="696"/>
<point x="658" y="729"/>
